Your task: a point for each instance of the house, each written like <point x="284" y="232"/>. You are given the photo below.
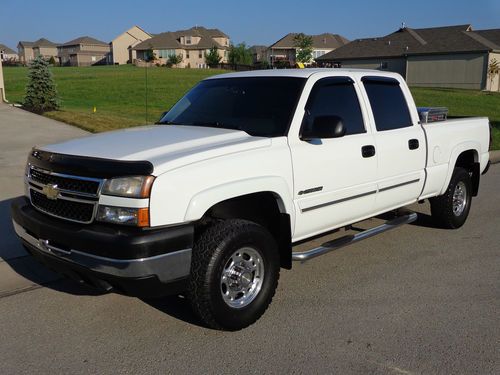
<point x="7" y="54"/>
<point x="284" y="50"/>
<point x="259" y="54"/>
<point x="192" y="44"/>
<point x="45" y="48"/>
<point x="450" y="56"/>
<point x="83" y="51"/>
<point x="25" y="51"/>
<point x="122" y="51"/>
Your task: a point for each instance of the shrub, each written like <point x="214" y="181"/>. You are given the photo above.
<point x="41" y="94"/>
<point x="212" y="58"/>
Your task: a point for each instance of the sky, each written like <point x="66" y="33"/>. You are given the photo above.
<point x="251" y="21"/>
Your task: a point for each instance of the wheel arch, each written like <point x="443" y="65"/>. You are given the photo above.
<point x="465" y="155"/>
<point x="267" y="207"/>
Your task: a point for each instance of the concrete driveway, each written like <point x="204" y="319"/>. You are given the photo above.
<point x="413" y="300"/>
<point x="19" y="132"/>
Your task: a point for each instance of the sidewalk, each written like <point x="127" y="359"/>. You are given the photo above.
<point x="19" y="132"/>
<point x="495" y="156"/>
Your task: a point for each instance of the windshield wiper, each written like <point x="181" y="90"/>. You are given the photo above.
<point x="168" y="123"/>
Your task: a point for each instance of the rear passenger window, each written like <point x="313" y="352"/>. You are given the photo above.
<point x="336" y="97"/>
<point x="388" y="103"/>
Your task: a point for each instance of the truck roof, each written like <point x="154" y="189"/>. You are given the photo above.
<point x="301" y="73"/>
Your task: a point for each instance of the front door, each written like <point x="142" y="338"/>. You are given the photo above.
<point x="335" y="178"/>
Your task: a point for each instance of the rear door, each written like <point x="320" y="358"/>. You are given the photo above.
<point x="334" y="179"/>
<point x="400" y="142"/>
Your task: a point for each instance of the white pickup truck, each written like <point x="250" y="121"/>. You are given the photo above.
<point x="210" y="201"/>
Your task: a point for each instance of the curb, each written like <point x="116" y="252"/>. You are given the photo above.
<point x="495" y="156"/>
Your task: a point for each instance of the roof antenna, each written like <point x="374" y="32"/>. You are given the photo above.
<point x="403" y="25"/>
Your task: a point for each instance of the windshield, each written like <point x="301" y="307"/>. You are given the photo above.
<point x="260" y="106"/>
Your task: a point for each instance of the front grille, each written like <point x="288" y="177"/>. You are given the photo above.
<point x="65" y="209"/>
<point x="85" y="186"/>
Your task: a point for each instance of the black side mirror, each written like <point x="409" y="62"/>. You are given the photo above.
<point x="324" y="127"/>
<point x="161" y="117"/>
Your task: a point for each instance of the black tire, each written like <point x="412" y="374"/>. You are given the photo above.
<point x="212" y="252"/>
<point x="442" y="207"/>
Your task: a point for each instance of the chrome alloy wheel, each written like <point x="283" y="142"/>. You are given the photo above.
<point x="459" y="198"/>
<point x="242" y="277"/>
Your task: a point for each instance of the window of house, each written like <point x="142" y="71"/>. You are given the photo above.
<point x="388" y="103"/>
<point x="188" y="39"/>
<point x="318" y="53"/>
<point x="166" y="53"/>
<point x="200" y="54"/>
<point x="187" y="54"/>
<point x="383" y="65"/>
<point x="335" y="97"/>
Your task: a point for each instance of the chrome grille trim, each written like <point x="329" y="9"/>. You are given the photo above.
<point x="86" y="198"/>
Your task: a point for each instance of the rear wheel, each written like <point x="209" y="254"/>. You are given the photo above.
<point x="234" y="274"/>
<point x="451" y="209"/>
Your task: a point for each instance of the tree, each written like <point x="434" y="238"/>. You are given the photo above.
<point x="52" y="61"/>
<point x="493" y="71"/>
<point x="212" y="57"/>
<point x="240" y="55"/>
<point x="174" y="59"/>
<point x="150" y="55"/>
<point x="304" y="47"/>
<point x="41" y="94"/>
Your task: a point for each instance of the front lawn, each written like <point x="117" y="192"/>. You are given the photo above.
<point x="117" y="92"/>
<point x="119" y="95"/>
<point x="464" y="103"/>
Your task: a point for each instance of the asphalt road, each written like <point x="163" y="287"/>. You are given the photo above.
<point x="413" y="300"/>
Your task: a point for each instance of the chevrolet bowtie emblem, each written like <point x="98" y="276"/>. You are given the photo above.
<point x="51" y="191"/>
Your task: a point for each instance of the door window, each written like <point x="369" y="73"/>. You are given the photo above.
<point x="388" y="103"/>
<point x="335" y="97"/>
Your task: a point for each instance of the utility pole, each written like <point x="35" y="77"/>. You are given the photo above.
<point x="146" y="75"/>
<point x="2" y="86"/>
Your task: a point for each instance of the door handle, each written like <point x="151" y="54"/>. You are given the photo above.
<point x="413" y="144"/>
<point x="368" y="151"/>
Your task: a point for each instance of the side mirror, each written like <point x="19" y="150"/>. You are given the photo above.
<point x="161" y="117"/>
<point x="324" y="127"/>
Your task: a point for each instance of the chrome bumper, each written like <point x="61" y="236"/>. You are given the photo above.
<point x="167" y="267"/>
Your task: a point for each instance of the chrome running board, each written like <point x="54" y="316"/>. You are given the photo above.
<point x="350" y="239"/>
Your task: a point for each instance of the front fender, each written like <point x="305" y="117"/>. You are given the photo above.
<point x="204" y="200"/>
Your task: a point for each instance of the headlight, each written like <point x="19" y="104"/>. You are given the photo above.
<point x="131" y="187"/>
<point x="124" y="215"/>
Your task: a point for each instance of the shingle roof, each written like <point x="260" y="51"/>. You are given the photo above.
<point x="258" y="49"/>
<point x="84" y="40"/>
<point x="171" y="39"/>
<point x="7" y="50"/>
<point x="42" y="42"/>
<point x="408" y="41"/>
<point x="325" y="40"/>
<point x="25" y="43"/>
<point x="493" y="35"/>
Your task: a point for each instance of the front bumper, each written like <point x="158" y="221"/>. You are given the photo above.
<point x="128" y="260"/>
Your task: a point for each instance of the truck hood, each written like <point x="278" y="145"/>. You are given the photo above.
<point x="165" y="146"/>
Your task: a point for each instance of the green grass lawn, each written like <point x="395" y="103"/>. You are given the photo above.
<point x="119" y="95"/>
<point x="463" y="103"/>
<point x="117" y="92"/>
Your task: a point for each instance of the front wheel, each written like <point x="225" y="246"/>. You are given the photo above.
<point x="234" y="274"/>
<point x="451" y="209"/>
